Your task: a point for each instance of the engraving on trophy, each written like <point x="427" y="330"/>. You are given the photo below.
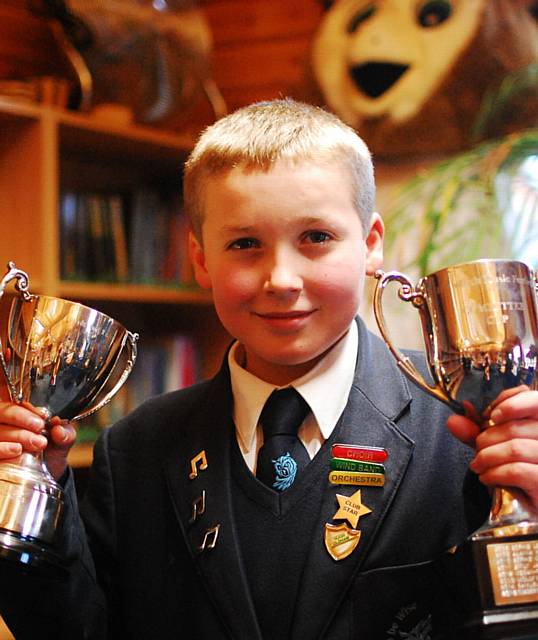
<point x="514" y="571"/>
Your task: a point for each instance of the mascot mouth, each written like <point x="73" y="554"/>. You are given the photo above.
<point x="375" y="78"/>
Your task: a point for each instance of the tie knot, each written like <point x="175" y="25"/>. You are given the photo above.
<point x="283" y="413"/>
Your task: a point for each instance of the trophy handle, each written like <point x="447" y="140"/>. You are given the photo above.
<point x="22" y="287"/>
<point x="130" y="340"/>
<point x="407" y="293"/>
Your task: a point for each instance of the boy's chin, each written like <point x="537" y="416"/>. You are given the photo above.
<point x="281" y="370"/>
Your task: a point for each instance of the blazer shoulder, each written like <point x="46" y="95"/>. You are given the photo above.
<point x="158" y="416"/>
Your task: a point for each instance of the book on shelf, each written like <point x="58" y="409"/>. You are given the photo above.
<point x="119" y="238"/>
<point x="111" y="237"/>
<point x="162" y="365"/>
<point x="68" y="235"/>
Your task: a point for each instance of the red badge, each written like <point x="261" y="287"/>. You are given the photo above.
<point x="356" y="452"/>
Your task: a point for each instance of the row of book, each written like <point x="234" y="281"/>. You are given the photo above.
<point x="162" y="365"/>
<point x="139" y="237"/>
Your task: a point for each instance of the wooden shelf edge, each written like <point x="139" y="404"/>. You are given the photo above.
<point x="20" y="108"/>
<point x="131" y="131"/>
<point x="133" y="293"/>
<point x="88" y="122"/>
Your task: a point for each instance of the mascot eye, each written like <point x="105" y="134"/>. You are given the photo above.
<point x="358" y="19"/>
<point x="434" y="12"/>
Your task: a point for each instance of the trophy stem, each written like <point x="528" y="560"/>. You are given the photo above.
<point x="511" y="514"/>
<point x="31" y="503"/>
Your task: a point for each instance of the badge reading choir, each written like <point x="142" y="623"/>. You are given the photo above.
<point x="199" y="459"/>
<point x="351" y="508"/>
<point x="356" y="452"/>
<point x="341" y="540"/>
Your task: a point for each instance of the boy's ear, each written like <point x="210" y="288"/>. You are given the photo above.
<point x="374" y="244"/>
<point x="197" y="257"/>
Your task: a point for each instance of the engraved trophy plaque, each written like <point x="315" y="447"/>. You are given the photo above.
<point x="57" y="355"/>
<point x="480" y="328"/>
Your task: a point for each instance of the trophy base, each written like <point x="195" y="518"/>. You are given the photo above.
<point x="500" y="588"/>
<point x="34" y="556"/>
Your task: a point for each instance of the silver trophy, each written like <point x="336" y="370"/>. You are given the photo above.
<point x="57" y="355"/>
<point x="480" y="328"/>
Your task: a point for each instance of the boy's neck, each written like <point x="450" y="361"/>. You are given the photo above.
<point x="279" y="375"/>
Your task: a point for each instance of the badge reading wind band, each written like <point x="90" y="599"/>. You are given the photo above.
<point x="341" y="464"/>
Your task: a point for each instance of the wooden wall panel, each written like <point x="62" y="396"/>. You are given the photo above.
<point x="262" y="48"/>
<point x="242" y="21"/>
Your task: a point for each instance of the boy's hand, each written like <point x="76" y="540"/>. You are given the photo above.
<point x="507" y="450"/>
<point x="21" y="429"/>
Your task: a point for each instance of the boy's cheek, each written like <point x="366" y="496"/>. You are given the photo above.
<point x="236" y="286"/>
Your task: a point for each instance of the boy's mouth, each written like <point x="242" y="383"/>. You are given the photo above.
<point x="285" y="320"/>
<point x="284" y="315"/>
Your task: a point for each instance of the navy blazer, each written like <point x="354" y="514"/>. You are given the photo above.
<point x="146" y="572"/>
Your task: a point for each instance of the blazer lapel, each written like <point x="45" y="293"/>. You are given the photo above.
<point x="369" y="420"/>
<point x="200" y="486"/>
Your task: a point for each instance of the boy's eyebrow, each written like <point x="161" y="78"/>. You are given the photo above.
<point x="306" y="220"/>
<point x="233" y="229"/>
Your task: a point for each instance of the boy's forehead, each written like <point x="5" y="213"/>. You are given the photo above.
<point x="233" y="198"/>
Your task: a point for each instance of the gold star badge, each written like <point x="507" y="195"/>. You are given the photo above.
<point x="351" y="508"/>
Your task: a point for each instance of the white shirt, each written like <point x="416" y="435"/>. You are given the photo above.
<point x="325" y="388"/>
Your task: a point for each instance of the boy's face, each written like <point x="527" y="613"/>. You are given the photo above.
<point x="285" y="255"/>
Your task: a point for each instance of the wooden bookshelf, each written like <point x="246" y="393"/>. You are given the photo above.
<point x="45" y="151"/>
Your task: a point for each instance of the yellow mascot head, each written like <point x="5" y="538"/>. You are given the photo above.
<point x="410" y="75"/>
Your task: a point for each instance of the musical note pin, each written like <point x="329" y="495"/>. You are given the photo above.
<point x="198" y="460"/>
<point x="198" y="507"/>
<point x="210" y="538"/>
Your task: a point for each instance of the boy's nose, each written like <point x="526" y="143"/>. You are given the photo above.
<point x="283" y="276"/>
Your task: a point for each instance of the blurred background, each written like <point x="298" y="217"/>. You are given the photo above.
<point x="101" y="101"/>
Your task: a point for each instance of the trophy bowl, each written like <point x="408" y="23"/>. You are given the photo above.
<point x="480" y="328"/>
<point x="58" y="356"/>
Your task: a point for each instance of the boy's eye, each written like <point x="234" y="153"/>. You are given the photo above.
<point x="317" y="237"/>
<point x="244" y="243"/>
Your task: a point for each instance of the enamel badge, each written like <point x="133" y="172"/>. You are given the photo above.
<point x="341" y="540"/>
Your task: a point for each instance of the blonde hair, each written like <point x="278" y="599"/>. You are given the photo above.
<point x="258" y="135"/>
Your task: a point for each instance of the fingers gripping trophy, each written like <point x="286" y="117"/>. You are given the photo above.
<point x="480" y="328"/>
<point x="57" y="355"/>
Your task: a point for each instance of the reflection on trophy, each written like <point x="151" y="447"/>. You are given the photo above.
<point x="480" y="328"/>
<point x="57" y="355"/>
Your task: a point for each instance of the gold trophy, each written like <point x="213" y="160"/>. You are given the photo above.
<point x="57" y="355"/>
<point x="480" y="328"/>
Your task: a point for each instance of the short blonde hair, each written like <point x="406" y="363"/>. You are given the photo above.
<point x="258" y="135"/>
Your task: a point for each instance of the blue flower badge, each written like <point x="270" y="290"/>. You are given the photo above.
<point x="285" y="470"/>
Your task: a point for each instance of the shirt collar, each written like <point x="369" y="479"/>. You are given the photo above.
<point x="325" y="388"/>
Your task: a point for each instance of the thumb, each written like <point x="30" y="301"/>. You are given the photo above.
<point x="62" y="437"/>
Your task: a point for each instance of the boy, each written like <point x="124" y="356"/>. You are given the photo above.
<point x="181" y="536"/>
